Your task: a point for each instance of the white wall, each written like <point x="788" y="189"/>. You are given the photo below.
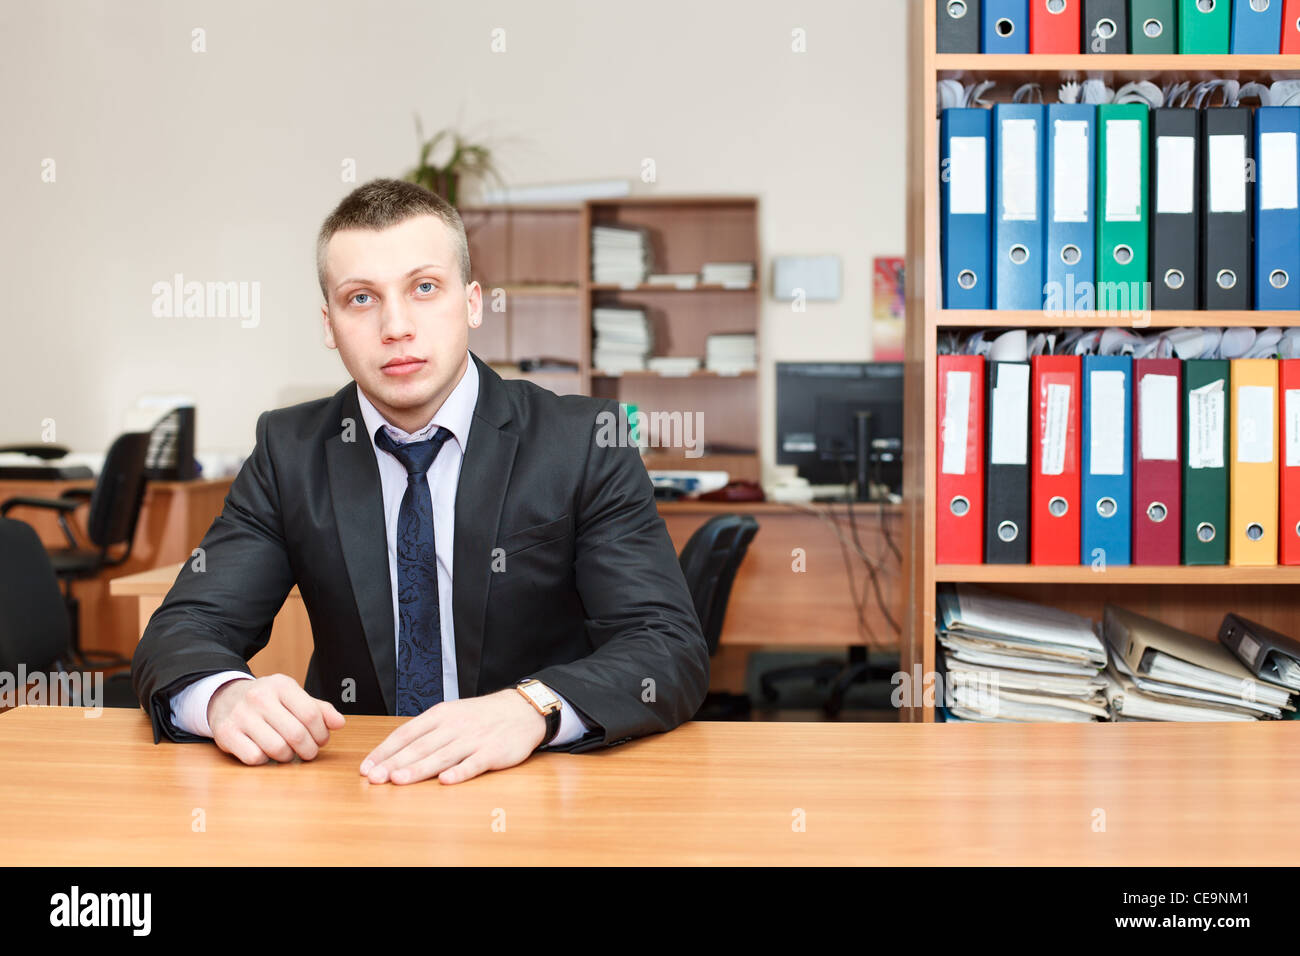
<point x="221" y="165"/>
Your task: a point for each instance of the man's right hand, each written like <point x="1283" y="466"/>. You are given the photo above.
<point x="270" y="718"/>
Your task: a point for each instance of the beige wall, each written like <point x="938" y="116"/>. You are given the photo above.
<point x="220" y="166"/>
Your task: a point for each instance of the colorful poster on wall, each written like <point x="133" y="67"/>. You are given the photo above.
<point x="887" y="309"/>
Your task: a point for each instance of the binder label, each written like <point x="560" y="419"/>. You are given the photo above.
<point x="968" y="176"/>
<point x="1248" y="648"/>
<point x="1054" y="430"/>
<point x="1010" y="416"/>
<point x="1228" y="173"/>
<point x="1255" y="424"/>
<point x="1175" y="174"/>
<point x="1069" y="186"/>
<point x="1205" y="426"/>
<point x="1158" y="398"/>
<point x="1019" y="158"/>
<point x="1123" y="171"/>
<point x="1277" y="171"/>
<point x="1106" y="436"/>
<point x="1293" y="427"/>
<point x="956" y="421"/>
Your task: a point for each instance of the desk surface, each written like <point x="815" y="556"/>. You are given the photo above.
<point x="78" y="791"/>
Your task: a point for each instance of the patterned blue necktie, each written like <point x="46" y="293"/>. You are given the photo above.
<point x="419" y="641"/>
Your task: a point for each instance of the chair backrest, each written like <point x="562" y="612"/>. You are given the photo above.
<point x="34" y="626"/>
<point x="119" y="492"/>
<point x="709" y="562"/>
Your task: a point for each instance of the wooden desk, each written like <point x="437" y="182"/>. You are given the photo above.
<point x="75" y="791"/>
<point x="173" y="519"/>
<point x="771" y="604"/>
<point x="287" y="652"/>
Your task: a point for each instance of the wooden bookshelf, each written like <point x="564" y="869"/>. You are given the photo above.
<point x="534" y="264"/>
<point x="1192" y="598"/>
<point x="528" y="259"/>
<point x="684" y="233"/>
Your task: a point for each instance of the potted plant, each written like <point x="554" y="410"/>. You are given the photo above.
<point x="445" y="158"/>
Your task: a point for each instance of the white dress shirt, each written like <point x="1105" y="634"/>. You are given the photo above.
<point x="189" y="705"/>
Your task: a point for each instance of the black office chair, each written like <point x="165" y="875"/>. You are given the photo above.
<point x="110" y="524"/>
<point x="35" y="631"/>
<point x="709" y="563"/>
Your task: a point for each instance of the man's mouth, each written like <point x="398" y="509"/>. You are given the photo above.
<point x="404" y="365"/>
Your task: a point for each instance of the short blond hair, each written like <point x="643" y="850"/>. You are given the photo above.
<point x="381" y="203"/>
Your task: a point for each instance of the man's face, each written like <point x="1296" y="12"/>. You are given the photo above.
<point x="399" y="314"/>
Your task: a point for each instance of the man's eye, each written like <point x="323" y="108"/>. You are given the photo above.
<point x="360" y="295"/>
<point x="425" y="286"/>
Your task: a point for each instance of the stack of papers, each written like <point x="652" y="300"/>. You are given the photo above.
<point x="675" y="280"/>
<point x="674" y="365"/>
<point x="1010" y="660"/>
<point x="731" y="353"/>
<point x="619" y="255"/>
<point x="731" y="275"/>
<point x="1158" y="672"/>
<point x="622" y="340"/>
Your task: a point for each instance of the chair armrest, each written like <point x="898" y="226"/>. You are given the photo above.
<point x="64" y="506"/>
<point x="56" y="504"/>
<point x="82" y="494"/>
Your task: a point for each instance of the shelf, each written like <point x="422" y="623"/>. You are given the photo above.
<point x="639" y="289"/>
<point x="1085" y="574"/>
<point x="1123" y="66"/>
<point x="984" y="318"/>
<point x="650" y="373"/>
<point x="539" y="288"/>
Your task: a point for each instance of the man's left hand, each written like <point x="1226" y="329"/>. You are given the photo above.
<point x="458" y="739"/>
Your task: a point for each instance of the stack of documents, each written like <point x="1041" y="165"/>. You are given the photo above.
<point x="619" y="255"/>
<point x="1158" y="672"/>
<point x="731" y="352"/>
<point x="674" y="280"/>
<point x="622" y="339"/>
<point x="1009" y="660"/>
<point x="674" y="365"/>
<point x="731" y="275"/>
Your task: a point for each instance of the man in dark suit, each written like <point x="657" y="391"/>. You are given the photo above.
<point x="473" y="553"/>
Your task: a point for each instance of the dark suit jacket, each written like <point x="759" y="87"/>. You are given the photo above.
<point x="591" y="600"/>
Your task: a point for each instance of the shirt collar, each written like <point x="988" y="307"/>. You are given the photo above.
<point x="455" y="415"/>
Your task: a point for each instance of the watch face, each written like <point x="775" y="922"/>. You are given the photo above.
<point x="541" y="695"/>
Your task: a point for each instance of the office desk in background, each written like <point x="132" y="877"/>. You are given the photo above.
<point x="772" y="606"/>
<point x="78" y="791"/>
<point x="173" y="519"/>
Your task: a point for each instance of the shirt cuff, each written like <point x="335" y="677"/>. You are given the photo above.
<point x="190" y="704"/>
<point x="571" y="725"/>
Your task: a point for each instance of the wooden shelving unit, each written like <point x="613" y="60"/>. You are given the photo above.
<point x="536" y="262"/>
<point x="686" y="232"/>
<point x="1191" y="598"/>
<point x="528" y="259"/>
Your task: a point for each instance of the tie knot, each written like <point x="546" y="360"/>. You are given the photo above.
<point x="415" y="456"/>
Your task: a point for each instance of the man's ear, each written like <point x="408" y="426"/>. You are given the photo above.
<point x="474" y="305"/>
<point x="329" y="331"/>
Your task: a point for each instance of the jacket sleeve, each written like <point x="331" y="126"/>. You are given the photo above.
<point x="219" y="611"/>
<point x="649" y="671"/>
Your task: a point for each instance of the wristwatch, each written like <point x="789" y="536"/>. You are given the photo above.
<point x="547" y="704"/>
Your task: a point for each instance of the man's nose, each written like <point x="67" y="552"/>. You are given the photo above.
<point x="396" y="323"/>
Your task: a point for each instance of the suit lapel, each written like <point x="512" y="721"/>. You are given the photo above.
<point x="358" y="503"/>
<point x="484" y="477"/>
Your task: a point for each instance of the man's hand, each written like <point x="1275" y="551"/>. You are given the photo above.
<point x="270" y="718"/>
<point x="459" y="739"/>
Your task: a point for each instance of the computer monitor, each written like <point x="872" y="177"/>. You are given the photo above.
<point x="820" y="408"/>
